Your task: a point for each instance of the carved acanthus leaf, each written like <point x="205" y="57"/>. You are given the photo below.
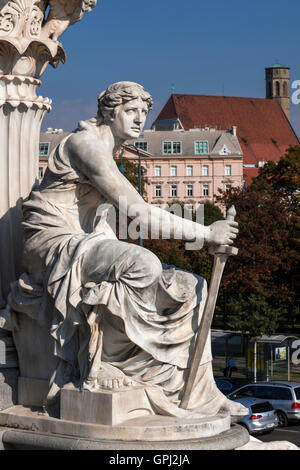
<point x="23" y="24"/>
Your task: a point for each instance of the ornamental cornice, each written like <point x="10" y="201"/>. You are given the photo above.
<point x="29" y="32"/>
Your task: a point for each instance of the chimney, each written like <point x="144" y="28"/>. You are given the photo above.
<point x="234" y="130"/>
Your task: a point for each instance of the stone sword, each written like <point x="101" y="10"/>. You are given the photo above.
<point x="221" y="253"/>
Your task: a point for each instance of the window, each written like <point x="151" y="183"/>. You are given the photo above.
<point x="248" y="391"/>
<point x="174" y="190"/>
<point x="227" y="170"/>
<point x="173" y="170"/>
<point x="201" y="147"/>
<point x="261" y="407"/>
<point x="204" y="170"/>
<point x="297" y="393"/>
<point x="281" y="393"/>
<point x="205" y="190"/>
<point x="266" y="392"/>
<point x="141" y="146"/>
<point x="157" y="191"/>
<point x="224" y="150"/>
<point x="157" y="170"/>
<point x="277" y="84"/>
<point x="189" y="170"/>
<point x="41" y="172"/>
<point x="189" y="190"/>
<point x="171" y="148"/>
<point x="44" y="149"/>
<point x="228" y="188"/>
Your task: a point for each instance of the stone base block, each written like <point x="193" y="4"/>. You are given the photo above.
<point x="32" y="392"/>
<point x="25" y="440"/>
<point x="105" y="406"/>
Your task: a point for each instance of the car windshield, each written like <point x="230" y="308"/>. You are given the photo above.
<point x="297" y="392"/>
<point x="262" y="407"/>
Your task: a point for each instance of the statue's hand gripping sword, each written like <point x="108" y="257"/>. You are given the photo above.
<point x="221" y="253"/>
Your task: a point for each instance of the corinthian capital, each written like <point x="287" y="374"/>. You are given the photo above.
<point x="29" y="32"/>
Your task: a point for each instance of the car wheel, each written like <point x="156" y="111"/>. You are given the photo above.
<point x="282" y="419"/>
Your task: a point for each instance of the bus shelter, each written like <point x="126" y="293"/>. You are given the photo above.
<point x="269" y="357"/>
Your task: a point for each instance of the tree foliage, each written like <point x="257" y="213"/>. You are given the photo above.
<point x="259" y="288"/>
<point x="253" y="315"/>
<point x="267" y="265"/>
<point x="173" y="252"/>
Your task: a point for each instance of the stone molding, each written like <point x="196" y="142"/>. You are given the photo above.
<point x="16" y="90"/>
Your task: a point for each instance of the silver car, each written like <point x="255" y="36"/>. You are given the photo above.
<point x="261" y="418"/>
<point x="283" y="396"/>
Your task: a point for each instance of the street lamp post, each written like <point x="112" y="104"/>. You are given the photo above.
<point x="123" y="171"/>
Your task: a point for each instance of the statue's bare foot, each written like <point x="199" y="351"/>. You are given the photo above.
<point x="111" y="378"/>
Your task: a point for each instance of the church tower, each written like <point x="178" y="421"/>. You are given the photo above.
<point x="278" y="86"/>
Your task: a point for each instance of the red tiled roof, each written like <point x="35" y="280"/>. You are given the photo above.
<point x="263" y="130"/>
<point x="250" y="173"/>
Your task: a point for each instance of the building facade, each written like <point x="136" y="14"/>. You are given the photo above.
<point x="188" y="166"/>
<point x="263" y="127"/>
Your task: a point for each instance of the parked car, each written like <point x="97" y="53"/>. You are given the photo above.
<point x="283" y="396"/>
<point x="226" y="385"/>
<point x="261" y="418"/>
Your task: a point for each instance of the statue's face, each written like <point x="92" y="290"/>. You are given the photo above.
<point x="129" y="119"/>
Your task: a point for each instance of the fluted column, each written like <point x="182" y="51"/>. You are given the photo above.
<point x="21" y="115"/>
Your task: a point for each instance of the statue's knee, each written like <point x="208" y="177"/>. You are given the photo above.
<point x="150" y="264"/>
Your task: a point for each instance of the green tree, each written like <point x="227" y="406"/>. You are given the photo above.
<point x="253" y="315"/>
<point x="268" y="259"/>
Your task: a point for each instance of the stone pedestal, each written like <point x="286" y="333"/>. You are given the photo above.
<point x="103" y="407"/>
<point x="150" y="433"/>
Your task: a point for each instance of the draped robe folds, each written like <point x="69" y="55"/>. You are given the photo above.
<point x="150" y="313"/>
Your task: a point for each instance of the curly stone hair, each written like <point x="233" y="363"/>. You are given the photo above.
<point x="120" y="93"/>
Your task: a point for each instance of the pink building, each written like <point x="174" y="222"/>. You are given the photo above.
<point x="189" y="166"/>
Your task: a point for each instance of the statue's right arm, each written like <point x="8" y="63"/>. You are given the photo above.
<point x="95" y="161"/>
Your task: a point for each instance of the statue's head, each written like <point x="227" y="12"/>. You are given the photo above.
<point x="124" y="106"/>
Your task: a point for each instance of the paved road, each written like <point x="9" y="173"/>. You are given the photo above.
<point x="290" y="433"/>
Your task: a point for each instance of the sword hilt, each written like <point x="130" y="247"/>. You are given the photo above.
<point x="225" y="249"/>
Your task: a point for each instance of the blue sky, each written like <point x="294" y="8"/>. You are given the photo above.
<point x="214" y="48"/>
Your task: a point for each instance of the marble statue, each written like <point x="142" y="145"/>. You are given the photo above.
<point x="64" y="13"/>
<point x="117" y="316"/>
